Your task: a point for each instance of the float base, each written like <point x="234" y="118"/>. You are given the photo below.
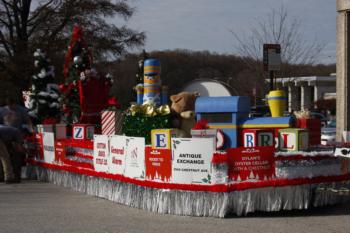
<point x="195" y="203"/>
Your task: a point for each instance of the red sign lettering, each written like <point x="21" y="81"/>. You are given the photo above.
<point x="254" y="163"/>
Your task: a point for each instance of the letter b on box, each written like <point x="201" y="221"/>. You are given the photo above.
<point x="257" y="137"/>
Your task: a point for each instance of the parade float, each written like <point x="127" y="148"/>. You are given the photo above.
<point x="193" y="155"/>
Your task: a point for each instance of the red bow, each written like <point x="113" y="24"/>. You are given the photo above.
<point x="49" y="121"/>
<point x="113" y="102"/>
<point x="201" y="124"/>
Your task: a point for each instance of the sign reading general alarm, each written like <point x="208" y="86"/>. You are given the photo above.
<point x="101" y="153"/>
<point x="117" y="154"/>
<point x="192" y="160"/>
<point x="135" y="157"/>
<point x="251" y="164"/>
<point x="49" y="147"/>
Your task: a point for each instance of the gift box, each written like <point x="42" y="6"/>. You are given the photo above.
<point x="59" y="130"/>
<point x="257" y="137"/>
<point x="293" y="139"/>
<point x="112" y="122"/>
<point x="44" y="128"/>
<point x="161" y="138"/>
<point x="314" y="127"/>
<point x="205" y="133"/>
<point x="141" y="126"/>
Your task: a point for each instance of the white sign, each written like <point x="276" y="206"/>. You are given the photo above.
<point x="192" y="160"/>
<point x="135" y="157"/>
<point x="117" y="151"/>
<point x="342" y="152"/>
<point x="272" y="57"/>
<point x="101" y="153"/>
<point x="49" y="147"/>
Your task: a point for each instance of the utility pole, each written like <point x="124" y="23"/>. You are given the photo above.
<point x="271" y="74"/>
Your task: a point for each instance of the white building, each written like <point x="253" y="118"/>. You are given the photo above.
<point x="302" y="92"/>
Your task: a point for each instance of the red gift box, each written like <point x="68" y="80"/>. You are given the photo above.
<point x="314" y="127"/>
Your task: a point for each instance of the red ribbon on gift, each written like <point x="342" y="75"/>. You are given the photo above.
<point x="201" y="124"/>
<point x="49" y="121"/>
<point x="113" y="103"/>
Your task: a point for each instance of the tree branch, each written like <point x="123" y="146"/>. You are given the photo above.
<point x="39" y="10"/>
<point x="5" y="44"/>
<point x="10" y="22"/>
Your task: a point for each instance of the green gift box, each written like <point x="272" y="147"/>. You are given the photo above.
<point x="141" y="126"/>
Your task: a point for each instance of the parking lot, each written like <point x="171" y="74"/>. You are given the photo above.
<point x="41" y="207"/>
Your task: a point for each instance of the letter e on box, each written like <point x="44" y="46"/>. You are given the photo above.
<point x="161" y="138"/>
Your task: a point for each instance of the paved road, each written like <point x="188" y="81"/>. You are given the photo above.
<point x="41" y="207"/>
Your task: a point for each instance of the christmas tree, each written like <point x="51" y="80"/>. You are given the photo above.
<point x="44" y="98"/>
<point x="77" y="67"/>
<point x="84" y="92"/>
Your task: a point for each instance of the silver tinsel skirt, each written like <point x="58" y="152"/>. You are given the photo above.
<point x="195" y="203"/>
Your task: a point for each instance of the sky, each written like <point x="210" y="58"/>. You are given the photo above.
<point x="207" y="24"/>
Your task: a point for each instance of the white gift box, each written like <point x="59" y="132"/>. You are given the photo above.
<point x="59" y="130"/>
<point x="44" y="128"/>
<point x="205" y="133"/>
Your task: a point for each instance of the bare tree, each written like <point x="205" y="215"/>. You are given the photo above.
<point x="278" y="28"/>
<point x="26" y="25"/>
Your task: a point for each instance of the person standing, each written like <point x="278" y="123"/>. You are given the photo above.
<point x="7" y="168"/>
<point x="13" y="141"/>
